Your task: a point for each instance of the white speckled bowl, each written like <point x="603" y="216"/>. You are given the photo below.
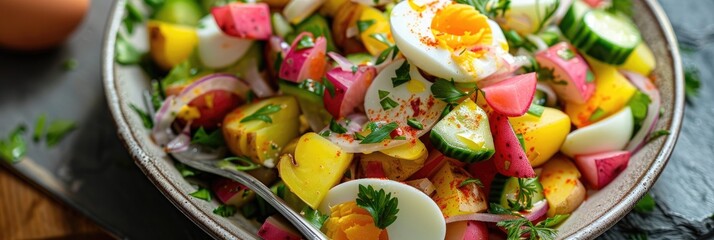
<point x="124" y="85"/>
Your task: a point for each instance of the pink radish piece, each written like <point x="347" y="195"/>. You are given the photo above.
<point x="350" y="88"/>
<point x="306" y="63"/>
<point x="601" y="168"/>
<point x="229" y="191"/>
<point x="466" y="230"/>
<point x="513" y="96"/>
<point x="510" y="159"/>
<point x="274" y="228"/>
<point x="484" y="171"/>
<point x="570" y="73"/>
<point x="251" y="21"/>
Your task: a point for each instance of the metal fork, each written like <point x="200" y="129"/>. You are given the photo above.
<point x="207" y="163"/>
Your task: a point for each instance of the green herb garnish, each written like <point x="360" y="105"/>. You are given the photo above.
<point x="490" y="8"/>
<point x="522" y="141"/>
<point x="39" y="128"/>
<point x="596" y="115"/>
<point x="202" y="193"/>
<point x="645" y="205"/>
<point x="381" y="37"/>
<point x="496" y="208"/>
<point x="315" y="218"/>
<point x="383" y="94"/>
<point x="638" y="105"/>
<point x="403" y="75"/>
<point x="565" y="54"/>
<point x="589" y="76"/>
<point x="329" y="86"/>
<point x="363" y="25"/>
<point x="536" y="110"/>
<point x="336" y="127"/>
<point x="385" y="54"/>
<point x="524" y="196"/>
<point x="656" y="134"/>
<point x="381" y="205"/>
<point x="146" y="119"/>
<point x="413" y="122"/>
<point x="470" y="181"/>
<point x="125" y="53"/>
<point x="549" y="12"/>
<point x="262" y="114"/>
<point x="185" y="170"/>
<point x="446" y="91"/>
<point x="225" y="210"/>
<point x="69" y="64"/>
<point x="133" y="16"/>
<point x="325" y="133"/>
<point x="57" y="130"/>
<point x="305" y="42"/>
<point x="378" y="134"/>
<point x="240" y="163"/>
<point x="358" y="136"/>
<point x="14" y="147"/>
<point x="518" y="227"/>
<point x="214" y="139"/>
<point x="387" y="103"/>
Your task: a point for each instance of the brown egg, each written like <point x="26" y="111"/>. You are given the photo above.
<point x="38" y="24"/>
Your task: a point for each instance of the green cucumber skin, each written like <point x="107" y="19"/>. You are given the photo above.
<point x="599" y="48"/>
<point x="459" y="153"/>
<point x="572" y="20"/>
<point x="497" y="186"/>
<point x="500" y="188"/>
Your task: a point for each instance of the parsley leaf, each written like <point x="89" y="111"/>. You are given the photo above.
<point x="363" y="25"/>
<point x="133" y="15"/>
<point x="597" y="114"/>
<point x="516" y="228"/>
<point x="185" y="170"/>
<point x="692" y="82"/>
<point x="240" y="163"/>
<point x="403" y="75"/>
<point x="471" y="180"/>
<point x="57" y="130"/>
<point x="336" y="127"/>
<point x="214" y="139"/>
<point x="305" y="42"/>
<point x="13" y="148"/>
<point x="496" y="208"/>
<point x="536" y="110"/>
<point x="549" y="12"/>
<point x="524" y="196"/>
<point x="385" y="54"/>
<point x="262" y="114"/>
<point x="39" y="128"/>
<point x="379" y="133"/>
<point x="225" y="210"/>
<point x="387" y="103"/>
<point x="413" y="122"/>
<point x="381" y="205"/>
<point x="656" y="134"/>
<point x="645" y="205"/>
<point x="490" y="8"/>
<point x="446" y="91"/>
<point x="315" y="218"/>
<point x="325" y="133"/>
<point x="125" y="53"/>
<point x="383" y="94"/>
<point x="381" y="37"/>
<point x="329" y="87"/>
<point x="202" y="193"/>
<point x="146" y="120"/>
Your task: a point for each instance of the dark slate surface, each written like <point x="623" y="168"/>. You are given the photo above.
<point x="91" y="171"/>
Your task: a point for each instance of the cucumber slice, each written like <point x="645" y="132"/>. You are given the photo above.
<point x="464" y="134"/>
<point x="607" y="37"/>
<point x="504" y="188"/>
<point x="281" y="27"/>
<point x="359" y="58"/>
<point x="317" y="25"/>
<point x="184" y="12"/>
<point x="310" y="101"/>
<point x="572" y="21"/>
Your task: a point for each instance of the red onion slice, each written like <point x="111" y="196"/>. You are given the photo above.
<point x="166" y="115"/>
<point x="344" y="64"/>
<point x="551" y="96"/>
<point x="257" y="81"/>
<point x="539" y="209"/>
<point x="181" y="142"/>
<point x="647" y="87"/>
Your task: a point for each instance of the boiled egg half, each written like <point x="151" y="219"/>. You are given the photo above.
<point x="449" y="40"/>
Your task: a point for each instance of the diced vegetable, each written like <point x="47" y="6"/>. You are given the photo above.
<point x="317" y="166"/>
<point x="464" y="134"/>
<point x="605" y="36"/>
<point x="374" y="30"/>
<point x="526" y="16"/>
<point x="513" y="96"/>
<point x="305" y="59"/>
<point x="641" y="61"/>
<point x="349" y="88"/>
<point x="170" y="44"/>
<point x="542" y="136"/>
<point x="423" y="184"/>
<point x="311" y="103"/>
<point x="250" y="21"/>
<point x="466" y="230"/>
<point x="394" y="168"/>
<point x="612" y="92"/>
<point x="573" y="19"/>
<point x="281" y="27"/>
<point x="296" y="11"/>
<point x="561" y="186"/>
<point x="275" y="228"/>
<point x="454" y="199"/>
<point x="413" y="150"/>
<point x="510" y="159"/>
<point x="484" y="171"/>
<point x="183" y="12"/>
<point x="208" y="110"/>
<point x="217" y="49"/>
<point x="505" y="189"/>
<point x="601" y="168"/>
<point x="567" y="73"/>
<point x="318" y="26"/>
<point x="263" y="138"/>
<point x="610" y="134"/>
<point x="230" y="192"/>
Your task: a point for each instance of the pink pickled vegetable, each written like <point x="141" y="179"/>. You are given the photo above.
<point x="466" y="230"/>
<point x="274" y="228"/>
<point x="251" y="21"/>
<point x="601" y="168"/>
<point x="349" y="89"/>
<point x="304" y="62"/>
<point x="228" y="191"/>
<point x="513" y="96"/>
<point x="510" y="159"/>
<point x="566" y="72"/>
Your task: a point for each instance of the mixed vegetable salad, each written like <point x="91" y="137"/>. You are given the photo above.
<point x="414" y="119"/>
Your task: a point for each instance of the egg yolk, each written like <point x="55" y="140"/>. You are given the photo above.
<point x="350" y="222"/>
<point x="463" y="31"/>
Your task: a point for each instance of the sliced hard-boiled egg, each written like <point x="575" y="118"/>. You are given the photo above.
<point x="526" y="16"/>
<point x="217" y="49"/>
<point x="418" y="218"/>
<point x="609" y="134"/>
<point x="449" y="40"/>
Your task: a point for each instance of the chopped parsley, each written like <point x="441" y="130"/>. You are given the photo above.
<point x="358" y="136"/>
<point x="597" y="114"/>
<point x="185" y="171"/>
<point x="386" y="102"/>
<point x="381" y="37"/>
<point x="133" y="16"/>
<point x="496" y="208"/>
<point x="363" y="25"/>
<point x="385" y="54"/>
<point x="125" y="53"/>
<point x="305" y="42"/>
<point x="262" y="114"/>
<point x="383" y="94"/>
<point x="527" y="187"/>
<point x="638" y="103"/>
<point x="240" y="163"/>
<point x="413" y="122"/>
<point x="146" y="119"/>
<point x="325" y="133"/>
<point x="470" y="181"/>
<point x="516" y="228"/>
<point x="14" y="147"/>
<point x="446" y="91"/>
<point x="329" y="86"/>
<point x="490" y="8"/>
<point x="378" y="134"/>
<point x="645" y="205"/>
<point x="225" y="210"/>
<point x="536" y="110"/>
<point x="39" y="128"/>
<point x="336" y="127"/>
<point x="315" y="218"/>
<point x="214" y="139"/>
<point x="381" y="205"/>
<point x="549" y="12"/>
<point x="403" y="75"/>
<point x="202" y="193"/>
<point x="57" y="130"/>
<point x="566" y="54"/>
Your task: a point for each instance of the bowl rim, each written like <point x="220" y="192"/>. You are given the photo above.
<point x="215" y="229"/>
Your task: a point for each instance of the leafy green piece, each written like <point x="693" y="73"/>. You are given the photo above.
<point x="379" y="133"/>
<point x="125" y="53"/>
<point x="315" y="218"/>
<point x="496" y="208"/>
<point x="524" y="196"/>
<point x="381" y="205"/>
<point x="522" y="141"/>
<point x="549" y="12"/>
<point x="225" y="210"/>
<point x="656" y="134"/>
<point x="133" y="16"/>
<point x="645" y="205"/>
<point x="240" y="163"/>
<point x="383" y="94"/>
<point x="490" y="8"/>
<point x="69" y="64"/>
<point x="202" y="193"/>
<point x="262" y="114"/>
<point x="516" y="228"/>
<point x="146" y="119"/>
<point x="381" y="37"/>
<point x="385" y="54"/>
<point x="692" y="82"/>
<point x="638" y="105"/>
<point x="325" y="133"/>
<point x="185" y="170"/>
<point x="39" y="128"/>
<point x="358" y="136"/>
<point x="336" y="127"/>
<point x="214" y="139"/>
<point x="596" y="115"/>
<point x="470" y="181"/>
<point x="554" y="221"/>
<point x="536" y="110"/>
<point x="305" y="42"/>
<point x="565" y="54"/>
<point x="329" y="87"/>
<point x="14" y="147"/>
<point x="388" y="103"/>
<point x="363" y="25"/>
<point x="314" y="86"/>
<point x="57" y="130"/>
<point x="623" y="6"/>
<point x="446" y="91"/>
<point x="413" y="122"/>
<point x="403" y="75"/>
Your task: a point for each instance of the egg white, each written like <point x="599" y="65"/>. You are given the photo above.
<point x="217" y="49"/>
<point x="411" y="29"/>
<point x="609" y="134"/>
